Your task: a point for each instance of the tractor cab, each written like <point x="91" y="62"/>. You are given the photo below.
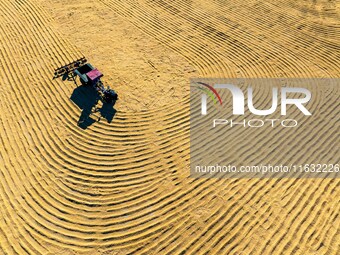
<point x="90" y="79"/>
<point x="88" y="75"/>
<point x="91" y="76"/>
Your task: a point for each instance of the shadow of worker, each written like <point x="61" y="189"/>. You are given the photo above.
<point x="85" y="97"/>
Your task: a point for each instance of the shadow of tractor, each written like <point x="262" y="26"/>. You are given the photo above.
<point x="87" y="98"/>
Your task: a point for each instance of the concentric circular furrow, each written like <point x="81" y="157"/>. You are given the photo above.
<point x="211" y="63"/>
<point x="240" y="49"/>
<point x="241" y="46"/>
<point x="283" y="32"/>
<point x="308" y="219"/>
<point x="309" y="215"/>
<point x="283" y="53"/>
<point x="37" y="76"/>
<point x="22" y="181"/>
<point x="7" y="180"/>
<point x="246" y="153"/>
<point x="294" y="9"/>
<point x="120" y="185"/>
<point x="235" y="213"/>
<point x="159" y="29"/>
<point x="122" y="160"/>
<point x="215" y="219"/>
<point x="33" y="25"/>
<point x="288" y="154"/>
<point x="296" y="212"/>
<point x="231" y="247"/>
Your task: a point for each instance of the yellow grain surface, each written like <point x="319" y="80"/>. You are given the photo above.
<point x="124" y="188"/>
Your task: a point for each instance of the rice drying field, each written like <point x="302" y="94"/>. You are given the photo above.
<point x="124" y="187"/>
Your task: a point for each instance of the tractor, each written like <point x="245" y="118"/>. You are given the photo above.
<point x="89" y="76"/>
